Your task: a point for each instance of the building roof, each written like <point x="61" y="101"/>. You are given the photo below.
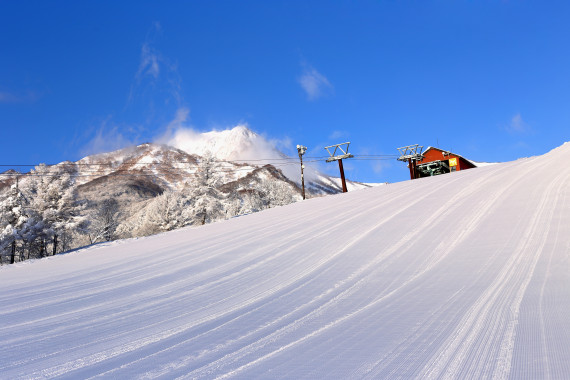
<point x="455" y="154"/>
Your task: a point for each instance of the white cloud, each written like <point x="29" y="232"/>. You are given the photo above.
<point x="314" y="83"/>
<point x="106" y="139"/>
<point x="180" y="119"/>
<point x="283" y="144"/>
<point x="518" y="125"/>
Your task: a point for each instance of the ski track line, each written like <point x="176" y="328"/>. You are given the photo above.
<point x="135" y="262"/>
<point x="108" y="317"/>
<point x="146" y="277"/>
<point x="476" y="319"/>
<point x="99" y="356"/>
<point x="328" y="259"/>
<point x="324" y="261"/>
<point x="445" y="247"/>
<point x="374" y="370"/>
<point x="393" y="249"/>
<point x="118" y="270"/>
<point x="358" y="311"/>
<point x="507" y="345"/>
<point x="547" y="372"/>
<point x="451" y="350"/>
<point x="383" y="363"/>
<point x="541" y="308"/>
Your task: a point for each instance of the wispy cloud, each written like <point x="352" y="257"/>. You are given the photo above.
<point x="156" y="76"/>
<point x="178" y="123"/>
<point x="314" y="84"/>
<point x="108" y="137"/>
<point x="149" y="62"/>
<point x="517" y="125"/>
<point x="150" y="57"/>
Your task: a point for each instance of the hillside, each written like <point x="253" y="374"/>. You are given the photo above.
<point x="463" y="275"/>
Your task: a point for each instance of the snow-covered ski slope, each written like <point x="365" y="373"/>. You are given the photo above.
<point x="464" y="275"/>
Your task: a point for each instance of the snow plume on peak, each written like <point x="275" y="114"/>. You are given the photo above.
<point x="236" y="144"/>
<point x="239" y="144"/>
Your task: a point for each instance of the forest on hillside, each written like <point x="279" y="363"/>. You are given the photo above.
<point x="43" y="214"/>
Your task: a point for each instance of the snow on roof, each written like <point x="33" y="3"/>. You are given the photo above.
<point x="475" y="163"/>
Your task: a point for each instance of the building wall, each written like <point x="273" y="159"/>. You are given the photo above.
<point x="435" y="154"/>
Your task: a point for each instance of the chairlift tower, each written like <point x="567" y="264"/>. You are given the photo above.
<point x="411" y="154"/>
<point x="334" y="156"/>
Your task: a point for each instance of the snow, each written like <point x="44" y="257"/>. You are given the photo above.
<point x="463" y="275"/>
<point x="243" y="145"/>
<point x="481" y="164"/>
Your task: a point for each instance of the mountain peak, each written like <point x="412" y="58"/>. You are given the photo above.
<point x="237" y="143"/>
<point x="243" y="130"/>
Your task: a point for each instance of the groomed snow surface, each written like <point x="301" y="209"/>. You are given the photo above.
<point x="464" y="275"/>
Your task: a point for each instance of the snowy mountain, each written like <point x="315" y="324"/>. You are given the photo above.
<point x="136" y="191"/>
<point x="240" y="144"/>
<point x="464" y="275"/>
<point x="147" y="189"/>
<point x="153" y="168"/>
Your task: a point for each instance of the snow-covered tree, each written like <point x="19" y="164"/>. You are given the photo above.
<point x="104" y="221"/>
<point x="277" y="193"/>
<point x="11" y="220"/>
<point x="51" y="198"/>
<point x="205" y="199"/>
<point x="166" y="212"/>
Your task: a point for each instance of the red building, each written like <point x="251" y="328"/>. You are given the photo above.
<point x="436" y="161"/>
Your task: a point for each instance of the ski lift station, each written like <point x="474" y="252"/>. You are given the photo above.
<point x="437" y="161"/>
<point x="433" y="161"/>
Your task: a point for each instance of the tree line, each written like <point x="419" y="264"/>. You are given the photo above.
<point x="42" y="215"/>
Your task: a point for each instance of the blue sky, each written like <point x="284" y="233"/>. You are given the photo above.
<point x="487" y="79"/>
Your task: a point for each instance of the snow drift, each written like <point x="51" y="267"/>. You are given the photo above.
<point x="464" y="275"/>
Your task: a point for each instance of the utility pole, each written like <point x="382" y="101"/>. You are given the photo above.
<point x="335" y="157"/>
<point x="411" y="154"/>
<point x="302" y="149"/>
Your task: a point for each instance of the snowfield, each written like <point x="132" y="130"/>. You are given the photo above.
<point x="464" y="275"/>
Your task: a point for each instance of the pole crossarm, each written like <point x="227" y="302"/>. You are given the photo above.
<point x="411" y="152"/>
<point x="338" y="147"/>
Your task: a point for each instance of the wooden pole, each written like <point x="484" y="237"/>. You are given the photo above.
<point x="302" y="176"/>
<point x="344" y="190"/>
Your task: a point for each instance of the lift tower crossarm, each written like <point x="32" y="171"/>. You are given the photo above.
<point x="333" y="154"/>
<point x="411" y="154"/>
<point x="335" y="157"/>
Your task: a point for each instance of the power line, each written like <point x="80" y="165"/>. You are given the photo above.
<point x="166" y="168"/>
<point x="267" y="160"/>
